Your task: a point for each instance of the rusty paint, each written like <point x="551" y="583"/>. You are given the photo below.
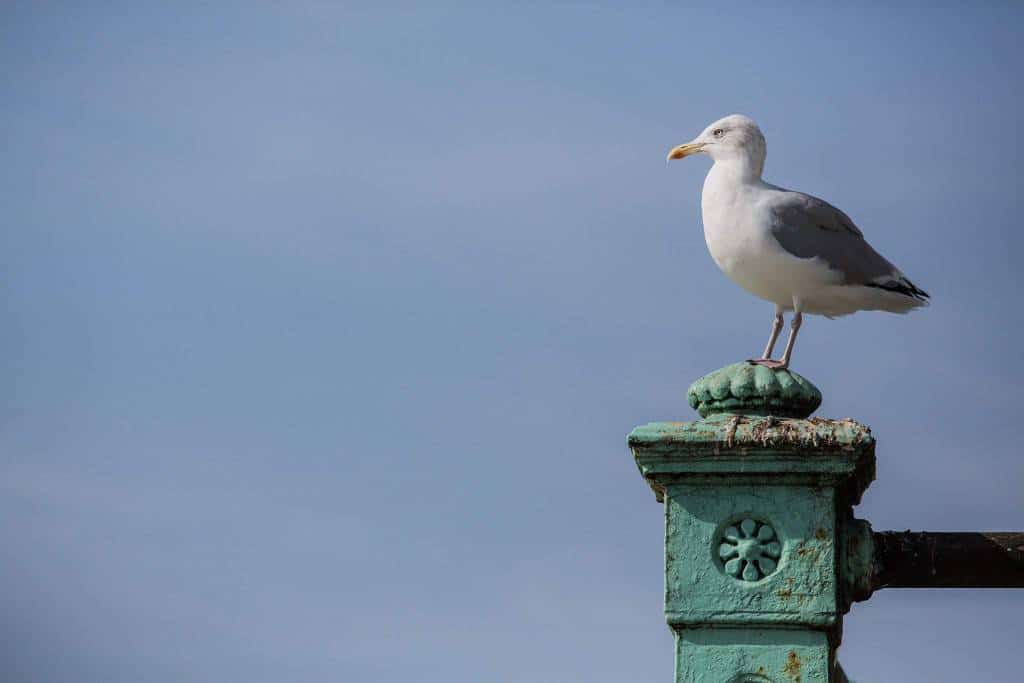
<point x="786" y="592"/>
<point x="792" y="667"/>
<point x="821" y="534"/>
<point x="983" y="559"/>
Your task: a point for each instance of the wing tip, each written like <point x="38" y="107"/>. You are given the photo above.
<point x="901" y="285"/>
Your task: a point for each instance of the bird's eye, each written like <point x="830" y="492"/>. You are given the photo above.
<point x="718" y="132"/>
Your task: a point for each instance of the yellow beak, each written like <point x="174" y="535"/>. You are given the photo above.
<point x="685" y="150"/>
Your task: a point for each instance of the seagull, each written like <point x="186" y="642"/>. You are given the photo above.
<point x="794" y="250"/>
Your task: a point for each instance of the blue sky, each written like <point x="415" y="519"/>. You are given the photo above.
<point x="325" y="325"/>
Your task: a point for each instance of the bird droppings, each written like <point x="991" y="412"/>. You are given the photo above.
<point x="730" y="430"/>
<point x="746" y="433"/>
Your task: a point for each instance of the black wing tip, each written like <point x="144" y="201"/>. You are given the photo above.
<point x="902" y="286"/>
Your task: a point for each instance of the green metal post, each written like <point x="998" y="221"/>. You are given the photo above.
<point x="762" y="553"/>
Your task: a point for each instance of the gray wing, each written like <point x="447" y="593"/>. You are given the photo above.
<point x="808" y="227"/>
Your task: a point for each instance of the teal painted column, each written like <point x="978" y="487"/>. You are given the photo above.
<point x="762" y="553"/>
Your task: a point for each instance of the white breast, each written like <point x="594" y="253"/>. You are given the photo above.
<point x="737" y="231"/>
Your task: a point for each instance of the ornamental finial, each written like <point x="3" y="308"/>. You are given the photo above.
<point x="748" y="389"/>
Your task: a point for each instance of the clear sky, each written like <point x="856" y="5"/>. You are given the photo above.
<point x="324" y="325"/>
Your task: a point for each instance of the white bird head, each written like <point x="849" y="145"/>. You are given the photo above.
<point x="735" y="138"/>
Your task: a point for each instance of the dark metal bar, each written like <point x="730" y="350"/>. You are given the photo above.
<point x="984" y="559"/>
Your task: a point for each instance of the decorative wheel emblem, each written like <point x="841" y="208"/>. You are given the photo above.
<point x="750" y="552"/>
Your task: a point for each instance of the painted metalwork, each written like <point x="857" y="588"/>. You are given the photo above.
<point x="749" y="550"/>
<point x="745" y="388"/>
<point x="763" y="555"/>
<point x="756" y="510"/>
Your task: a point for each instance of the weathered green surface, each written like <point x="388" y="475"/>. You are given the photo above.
<point x="749" y="389"/>
<point x="739" y="655"/>
<point x="757" y="449"/>
<point x="762" y="554"/>
<point x="699" y="590"/>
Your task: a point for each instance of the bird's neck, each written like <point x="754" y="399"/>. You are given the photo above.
<point x="738" y="169"/>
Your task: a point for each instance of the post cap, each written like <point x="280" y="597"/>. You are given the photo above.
<point x="746" y="388"/>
